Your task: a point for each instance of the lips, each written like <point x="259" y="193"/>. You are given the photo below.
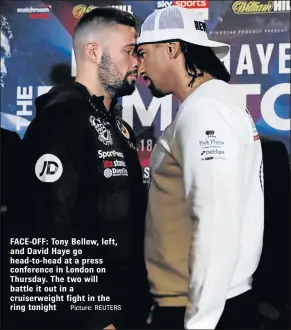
<point x="132" y="73"/>
<point x="147" y="81"/>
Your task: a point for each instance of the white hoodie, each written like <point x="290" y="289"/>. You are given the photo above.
<point x="205" y="218"/>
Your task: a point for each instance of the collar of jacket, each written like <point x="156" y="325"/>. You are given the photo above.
<point x="97" y="103"/>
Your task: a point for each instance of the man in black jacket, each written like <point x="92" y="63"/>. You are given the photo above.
<point x="84" y="178"/>
<point x="272" y="278"/>
<point x="10" y="157"/>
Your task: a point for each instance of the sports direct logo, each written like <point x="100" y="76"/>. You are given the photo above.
<point x="109" y="172"/>
<point x="40" y="12"/>
<point x="202" y="7"/>
<point x="107" y="154"/>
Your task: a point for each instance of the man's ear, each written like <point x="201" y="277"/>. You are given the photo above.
<point x="94" y="52"/>
<point x="173" y="49"/>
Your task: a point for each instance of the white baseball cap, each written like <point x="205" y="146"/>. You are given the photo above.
<point x="177" y="23"/>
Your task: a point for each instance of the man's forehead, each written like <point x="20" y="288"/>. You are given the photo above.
<point x="125" y="34"/>
<point x="5" y="43"/>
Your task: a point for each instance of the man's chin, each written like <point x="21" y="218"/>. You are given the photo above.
<point x="129" y="90"/>
<point x="156" y="92"/>
<point x="126" y="90"/>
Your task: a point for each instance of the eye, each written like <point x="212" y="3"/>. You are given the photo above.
<point x="141" y="55"/>
<point x="131" y="52"/>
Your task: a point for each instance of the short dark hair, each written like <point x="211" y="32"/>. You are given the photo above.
<point x="106" y="15"/>
<point x="5" y="27"/>
<point x="203" y="59"/>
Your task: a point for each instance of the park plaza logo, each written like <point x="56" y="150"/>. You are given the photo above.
<point x="211" y="147"/>
<point x="48" y="168"/>
<point x="210" y="140"/>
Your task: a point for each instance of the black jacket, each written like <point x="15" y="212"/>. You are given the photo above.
<point x="89" y="185"/>
<point x="272" y="278"/>
<point x="10" y="158"/>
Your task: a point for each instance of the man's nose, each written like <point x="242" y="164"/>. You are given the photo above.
<point x="141" y="70"/>
<point x="135" y="62"/>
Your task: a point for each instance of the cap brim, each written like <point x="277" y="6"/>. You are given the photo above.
<point x="220" y="49"/>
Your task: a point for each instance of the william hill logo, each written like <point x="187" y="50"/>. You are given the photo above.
<point x="80" y="10"/>
<point x="257" y="7"/>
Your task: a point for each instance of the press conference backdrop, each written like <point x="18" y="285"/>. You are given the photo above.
<point x="36" y="53"/>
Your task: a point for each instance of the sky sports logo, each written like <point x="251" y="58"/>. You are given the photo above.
<point x="201" y="6"/>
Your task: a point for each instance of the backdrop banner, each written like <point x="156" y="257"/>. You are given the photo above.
<point x="36" y="53"/>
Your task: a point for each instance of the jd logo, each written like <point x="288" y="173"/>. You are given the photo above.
<point x="48" y="168"/>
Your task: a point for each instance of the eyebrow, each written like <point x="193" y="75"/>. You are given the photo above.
<point x="139" y="50"/>
<point x="130" y="45"/>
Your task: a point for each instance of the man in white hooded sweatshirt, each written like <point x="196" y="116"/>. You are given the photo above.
<point x="205" y="217"/>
